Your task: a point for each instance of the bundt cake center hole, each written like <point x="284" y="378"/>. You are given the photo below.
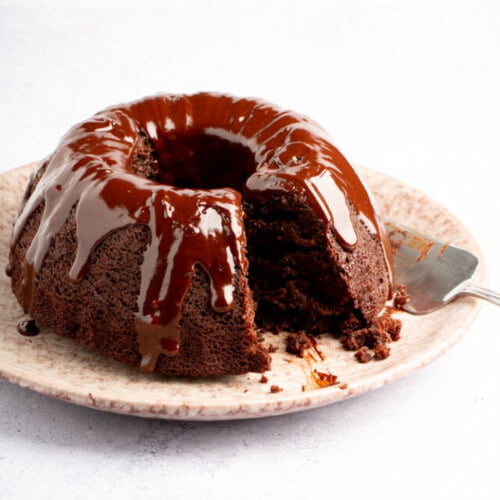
<point x="204" y="162"/>
<point x="196" y="161"/>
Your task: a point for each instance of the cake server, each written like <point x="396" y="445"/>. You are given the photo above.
<point x="433" y="271"/>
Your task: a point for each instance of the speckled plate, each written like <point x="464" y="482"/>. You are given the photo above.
<point x="57" y="367"/>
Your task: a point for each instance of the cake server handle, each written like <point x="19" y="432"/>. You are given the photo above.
<point x="481" y="293"/>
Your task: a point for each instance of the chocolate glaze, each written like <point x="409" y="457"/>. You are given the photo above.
<point x="323" y="379"/>
<point x="28" y="328"/>
<point x="91" y="169"/>
<point x="314" y="343"/>
<point x="8" y="270"/>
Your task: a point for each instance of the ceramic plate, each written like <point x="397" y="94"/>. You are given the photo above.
<point x="54" y="366"/>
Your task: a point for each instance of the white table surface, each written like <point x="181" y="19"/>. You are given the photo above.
<point x="409" y="88"/>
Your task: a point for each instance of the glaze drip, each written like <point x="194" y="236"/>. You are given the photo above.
<point x="8" y="270"/>
<point x="91" y="170"/>
<point x="28" y="328"/>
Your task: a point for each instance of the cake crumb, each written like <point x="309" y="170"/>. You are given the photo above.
<point x="401" y="297"/>
<point x="395" y="329"/>
<point x="303" y="388"/>
<point x="343" y="386"/>
<point x="377" y="336"/>
<point x="363" y="355"/>
<point x="271" y="348"/>
<point x="263" y="379"/>
<point x="276" y="388"/>
<point x="382" y="331"/>
<point x="355" y="340"/>
<point x="391" y="325"/>
<point x="381" y="351"/>
<point x="297" y="343"/>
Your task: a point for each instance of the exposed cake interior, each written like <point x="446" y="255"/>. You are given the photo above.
<point x="293" y="278"/>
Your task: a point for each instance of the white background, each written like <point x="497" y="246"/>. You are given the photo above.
<point x="409" y="88"/>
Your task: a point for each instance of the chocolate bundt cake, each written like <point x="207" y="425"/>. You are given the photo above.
<point x="160" y="230"/>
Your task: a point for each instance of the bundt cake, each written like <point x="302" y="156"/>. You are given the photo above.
<point x="158" y="233"/>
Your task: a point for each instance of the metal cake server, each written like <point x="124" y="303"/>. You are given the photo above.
<point x="433" y="271"/>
